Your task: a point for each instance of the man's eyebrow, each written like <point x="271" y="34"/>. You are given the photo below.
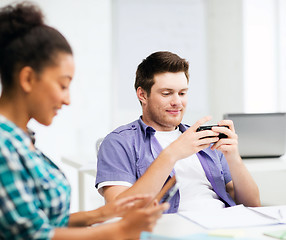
<point x="171" y="89"/>
<point x="166" y="89"/>
<point x="184" y="89"/>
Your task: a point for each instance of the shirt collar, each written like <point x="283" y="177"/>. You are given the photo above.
<point x="27" y="137"/>
<point x="147" y="130"/>
<point x="31" y="135"/>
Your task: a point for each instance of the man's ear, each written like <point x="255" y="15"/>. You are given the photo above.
<point x="141" y="94"/>
<point x="26" y="78"/>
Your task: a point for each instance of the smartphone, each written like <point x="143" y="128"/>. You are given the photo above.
<point x="168" y="196"/>
<point x="168" y="190"/>
<point x="209" y="127"/>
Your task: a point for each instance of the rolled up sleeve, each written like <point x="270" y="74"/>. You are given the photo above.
<point x="116" y="160"/>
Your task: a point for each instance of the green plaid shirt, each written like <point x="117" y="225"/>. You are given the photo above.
<point x="34" y="193"/>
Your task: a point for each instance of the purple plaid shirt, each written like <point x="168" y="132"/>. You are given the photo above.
<point x="127" y="152"/>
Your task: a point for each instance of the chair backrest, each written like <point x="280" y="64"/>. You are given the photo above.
<point x="97" y="144"/>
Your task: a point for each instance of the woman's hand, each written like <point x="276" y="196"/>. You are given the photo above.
<point x="141" y="218"/>
<point x="138" y="215"/>
<point x="120" y="207"/>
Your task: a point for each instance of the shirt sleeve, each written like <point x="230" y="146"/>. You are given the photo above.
<point x="116" y="160"/>
<point x="20" y="217"/>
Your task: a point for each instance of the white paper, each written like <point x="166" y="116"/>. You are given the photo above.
<point x="276" y="212"/>
<point x="232" y="217"/>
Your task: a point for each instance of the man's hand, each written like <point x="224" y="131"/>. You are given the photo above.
<point x="228" y="146"/>
<point x="191" y="141"/>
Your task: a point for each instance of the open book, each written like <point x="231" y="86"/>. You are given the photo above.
<point x="238" y="216"/>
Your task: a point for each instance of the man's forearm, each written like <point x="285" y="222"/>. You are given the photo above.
<point x="245" y="189"/>
<point x="155" y="176"/>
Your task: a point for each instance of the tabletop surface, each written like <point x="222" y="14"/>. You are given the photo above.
<point x="174" y="225"/>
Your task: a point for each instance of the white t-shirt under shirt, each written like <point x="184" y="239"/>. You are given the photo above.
<point x="196" y="192"/>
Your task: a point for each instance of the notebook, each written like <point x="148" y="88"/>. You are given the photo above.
<point x="260" y="135"/>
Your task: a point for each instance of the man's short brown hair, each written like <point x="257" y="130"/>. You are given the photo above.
<point x="159" y="62"/>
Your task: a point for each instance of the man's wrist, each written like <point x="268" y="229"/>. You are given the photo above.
<point x="168" y="154"/>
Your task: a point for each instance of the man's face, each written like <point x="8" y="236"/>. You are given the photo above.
<point x="164" y="108"/>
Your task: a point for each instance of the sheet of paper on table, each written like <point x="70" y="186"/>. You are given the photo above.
<point x="238" y="216"/>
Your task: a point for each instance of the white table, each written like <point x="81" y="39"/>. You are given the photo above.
<point x="270" y="176"/>
<point x="174" y="225"/>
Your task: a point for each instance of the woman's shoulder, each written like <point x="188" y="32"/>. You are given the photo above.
<point x="12" y="139"/>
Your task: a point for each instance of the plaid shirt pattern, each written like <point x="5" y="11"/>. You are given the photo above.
<point x="34" y="193"/>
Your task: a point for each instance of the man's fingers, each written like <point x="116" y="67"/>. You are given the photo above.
<point x="228" y="123"/>
<point x="207" y="134"/>
<point x="201" y="122"/>
<point x="208" y="140"/>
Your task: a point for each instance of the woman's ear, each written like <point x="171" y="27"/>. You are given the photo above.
<point x="141" y="94"/>
<point x="26" y="78"/>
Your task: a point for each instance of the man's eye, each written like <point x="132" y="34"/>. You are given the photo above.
<point x="182" y="93"/>
<point x="165" y="93"/>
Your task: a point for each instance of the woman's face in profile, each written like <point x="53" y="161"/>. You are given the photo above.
<point x="51" y="90"/>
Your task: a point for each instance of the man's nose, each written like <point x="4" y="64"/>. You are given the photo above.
<point x="176" y="99"/>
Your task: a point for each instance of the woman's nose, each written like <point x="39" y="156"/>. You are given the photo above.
<point x="66" y="98"/>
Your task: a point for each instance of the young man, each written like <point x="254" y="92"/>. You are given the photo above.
<point x="139" y="157"/>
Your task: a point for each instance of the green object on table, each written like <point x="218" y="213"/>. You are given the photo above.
<point x="279" y="234"/>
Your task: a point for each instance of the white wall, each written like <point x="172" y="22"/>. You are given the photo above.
<point x="143" y="27"/>
<point x="246" y="56"/>
<point x="225" y="57"/>
<point x="88" y="29"/>
<point x="281" y="48"/>
<point x="260" y="39"/>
